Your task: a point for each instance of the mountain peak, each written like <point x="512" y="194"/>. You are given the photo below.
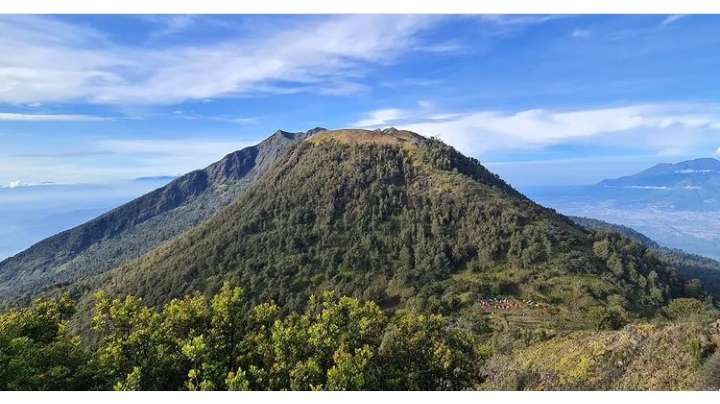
<point x="315" y="130"/>
<point x="667" y="174"/>
<point x="283" y="134"/>
<point x="684" y="167"/>
<point x="388" y="136"/>
<point x="706" y="163"/>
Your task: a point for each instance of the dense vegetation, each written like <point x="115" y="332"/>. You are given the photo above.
<point x="195" y="343"/>
<point x="337" y="343"/>
<point x="628" y="232"/>
<point x="696" y="271"/>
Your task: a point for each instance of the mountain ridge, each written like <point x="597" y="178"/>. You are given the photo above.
<point x="685" y="173"/>
<point x="133" y="228"/>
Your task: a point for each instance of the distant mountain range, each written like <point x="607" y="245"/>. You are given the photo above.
<point x="688" y="185"/>
<point x="698" y="173"/>
<point x="677" y="205"/>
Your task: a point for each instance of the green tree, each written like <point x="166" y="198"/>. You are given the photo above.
<point x="38" y="352"/>
<point x="135" y="350"/>
<point x="694" y="288"/>
<point x="686" y="309"/>
<point x="425" y="352"/>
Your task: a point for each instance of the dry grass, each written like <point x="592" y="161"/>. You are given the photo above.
<point x="639" y="357"/>
<point x="389" y="136"/>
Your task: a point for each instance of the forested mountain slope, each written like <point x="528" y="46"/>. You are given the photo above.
<point x="405" y="221"/>
<point x="137" y="226"/>
<point x="689" y="266"/>
<point x="595" y="224"/>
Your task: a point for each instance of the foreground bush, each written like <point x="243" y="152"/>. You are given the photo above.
<point x="195" y="343"/>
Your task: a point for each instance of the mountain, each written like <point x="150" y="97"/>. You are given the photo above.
<point x="405" y="221"/>
<point x="688" y="185"/>
<point x="691" y="173"/>
<point x="677" y="205"/>
<point x="372" y="260"/>
<point x="136" y="227"/>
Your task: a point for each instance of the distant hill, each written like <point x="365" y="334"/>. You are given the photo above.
<point x="137" y="226"/>
<point x="690" y="266"/>
<point x="692" y="173"/>
<point x="595" y="224"/>
<point x="688" y="185"/>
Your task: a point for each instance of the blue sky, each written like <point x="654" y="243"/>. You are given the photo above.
<point x="539" y="99"/>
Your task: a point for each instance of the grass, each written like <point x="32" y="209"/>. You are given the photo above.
<point x="362" y="136"/>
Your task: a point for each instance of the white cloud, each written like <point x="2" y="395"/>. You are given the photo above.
<point x="517" y="20"/>
<point x="243" y="120"/>
<point x="671" y="19"/>
<point x="8" y="116"/>
<point x="193" y="147"/>
<point x="381" y="117"/>
<point x="45" y="60"/>
<point x="19" y="184"/>
<point x="388" y="116"/>
<point x="411" y="82"/>
<point x="581" y="33"/>
<point x="170" y="24"/>
<point x="717" y="152"/>
<point x="669" y="126"/>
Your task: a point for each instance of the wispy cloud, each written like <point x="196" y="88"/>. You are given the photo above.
<point x="489" y="130"/>
<point x="581" y="33"/>
<point x="242" y="120"/>
<point x="500" y="24"/>
<point x="412" y="82"/>
<point x="9" y="116"/>
<point x="120" y="158"/>
<point x="19" y="184"/>
<point x="45" y="60"/>
<point x="170" y="24"/>
<point x="518" y="20"/>
<point x="61" y="155"/>
<point x="388" y="116"/>
<point x="382" y="117"/>
<point x="176" y="147"/>
<point x="671" y="19"/>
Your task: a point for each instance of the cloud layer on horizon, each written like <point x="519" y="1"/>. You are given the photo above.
<point x="664" y="129"/>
